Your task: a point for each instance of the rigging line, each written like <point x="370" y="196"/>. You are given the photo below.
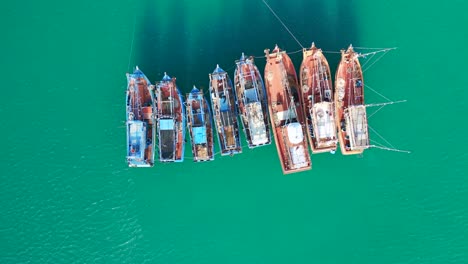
<point x="293" y="52"/>
<point x="320" y="76"/>
<point x="374" y="52"/>
<point x="131" y="45"/>
<point x="373" y="48"/>
<point x="377" y="92"/>
<point x="231" y="68"/>
<point x="376" y="60"/>
<point x="289" y="53"/>
<point x="368" y="60"/>
<point x="377" y="143"/>
<point x="279" y="19"/>
<point x="375" y="112"/>
<point x="386" y="141"/>
<point x="390" y="149"/>
<point x="386" y="103"/>
<point x="327" y="51"/>
<point x="382" y="106"/>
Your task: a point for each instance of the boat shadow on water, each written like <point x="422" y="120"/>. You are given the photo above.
<point x="159" y="42"/>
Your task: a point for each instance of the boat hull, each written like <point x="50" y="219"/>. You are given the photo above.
<point x="200" y="126"/>
<point x="139" y="124"/>
<point x="317" y="95"/>
<point x="252" y="103"/>
<point x="170" y="120"/>
<point x="225" y="112"/>
<point x="286" y="112"/>
<point x="351" y="117"/>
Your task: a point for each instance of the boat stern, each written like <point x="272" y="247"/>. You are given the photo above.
<point x="136" y="144"/>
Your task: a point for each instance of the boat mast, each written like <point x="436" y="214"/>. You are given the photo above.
<point x="317" y="77"/>
<point x="138" y="102"/>
<point x="286" y="87"/>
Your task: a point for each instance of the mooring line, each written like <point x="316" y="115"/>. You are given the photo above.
<point x="279" y="19"/>
<point x="131" y="46"/>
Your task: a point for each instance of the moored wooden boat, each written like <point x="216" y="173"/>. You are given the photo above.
<point x="199" y="124"/>
<point x="139" y="124"/>
<point x="170" y="120"/>
<point x="317" y="95"/>
<point x="286" y="114"/>
<point x="351" y="117"/>
<point x="225" y="112"/>
<point x="252" y="102"/>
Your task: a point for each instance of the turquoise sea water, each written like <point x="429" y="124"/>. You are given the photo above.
<point x="67" y="195"/>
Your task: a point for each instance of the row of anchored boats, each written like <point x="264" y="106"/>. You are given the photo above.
<point x="302" y="111"/>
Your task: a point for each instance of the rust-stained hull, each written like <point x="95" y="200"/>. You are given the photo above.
<point x="199" y="124"/>
<point x="317" y="95"/>
<point x="170" y="120"/>
<point x="286" y="112"/>
<point x="351" y="118"/>
<point x="252" y="102"/>
<point x="223" y="100"/>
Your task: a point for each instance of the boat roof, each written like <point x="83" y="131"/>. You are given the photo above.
<point x="298" y="157"/>
<point x="167" y="146"/>
<point x="199" y="135"/>
<point x="224" y="105"/>
<point x="166" y="124"/>
<point x="251" y="95"/>
<point x="324" y="122"/>
<point x="257" y="127"/>
<point x="136" y="139"/>
<point x="295" y="135"/>
<point x="357" y="122"/>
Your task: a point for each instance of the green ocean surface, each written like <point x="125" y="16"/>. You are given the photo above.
<point x="67" y="195"/>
